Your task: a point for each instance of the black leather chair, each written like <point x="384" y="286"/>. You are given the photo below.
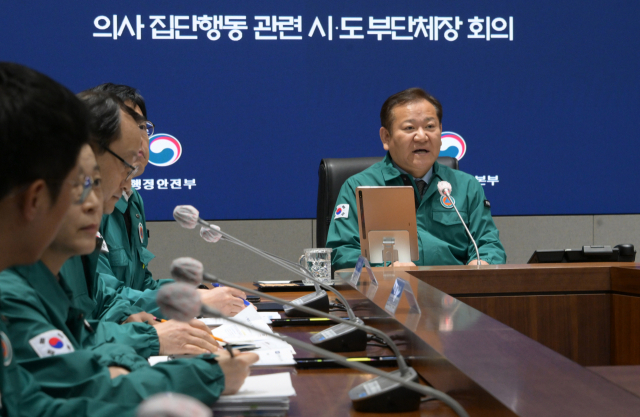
<point x="333" y="173"/>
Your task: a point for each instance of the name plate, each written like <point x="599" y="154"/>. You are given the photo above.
<point x="355" y="277"/>
<point x="399" y="287"/>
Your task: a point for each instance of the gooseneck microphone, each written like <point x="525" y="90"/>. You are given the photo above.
<point x="188" y="217"/>
<point x="339" y="338"/>
<point x="444" y="188"/>
<point x="347" y="336"/>
<point x="389" y="392"/>
<point x="172" y="405"/>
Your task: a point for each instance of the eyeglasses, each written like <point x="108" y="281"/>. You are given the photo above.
<point x="133" y="169"/>
<point x="149" y="127"/>
<point x="88" y="185"/>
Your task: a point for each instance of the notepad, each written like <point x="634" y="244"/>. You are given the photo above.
<point x="262" y="386"/>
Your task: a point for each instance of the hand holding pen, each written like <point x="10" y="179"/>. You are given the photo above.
<point x="229" y="301"/>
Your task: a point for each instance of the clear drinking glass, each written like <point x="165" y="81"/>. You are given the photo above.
<point x="318" y="262"/>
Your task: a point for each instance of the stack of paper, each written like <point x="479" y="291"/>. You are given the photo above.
<point x="266" y="316"/>
<point x="263" y="395"/>
<point x="271" y="351"/>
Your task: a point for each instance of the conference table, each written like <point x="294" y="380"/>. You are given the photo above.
<point x="526" y="340"/>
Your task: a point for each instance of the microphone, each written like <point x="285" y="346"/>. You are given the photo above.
<point x="444" y="188"/>
<point x="188" y="217"/>
<point x="389" y="392"/>
<point x="347" y="336"/>
<point x="172" y="405"/>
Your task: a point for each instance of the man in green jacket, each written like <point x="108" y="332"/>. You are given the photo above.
<point x="48" y="329"/>
<point x="42" y="128"/>
<point x="411" y="134"/>
<point x="124" y="263"/>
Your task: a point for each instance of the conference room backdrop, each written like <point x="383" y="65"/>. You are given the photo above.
<point x="541" y="99"/>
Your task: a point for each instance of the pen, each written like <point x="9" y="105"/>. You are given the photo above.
<point x="311" y="321"/>
<point x="245" y="347"/>
<point x="229" y="349"/>
<point x="376" y="361"/>
<point x="246" y="303"/>
<point x="159" y="320"/>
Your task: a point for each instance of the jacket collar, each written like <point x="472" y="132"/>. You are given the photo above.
<point x="122" y="204"/>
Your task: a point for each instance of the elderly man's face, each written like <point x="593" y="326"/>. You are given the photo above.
<point x="415" y="138"/>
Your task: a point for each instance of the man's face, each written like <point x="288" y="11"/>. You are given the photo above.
<point x="46" y="223"/>
<point x="114" y="172"/>
<point x="143" y="154"/>
<point x="415" y="138"/>
<point x="50" y="222"/>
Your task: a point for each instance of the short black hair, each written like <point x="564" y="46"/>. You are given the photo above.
<point x="403" y="97"/>
<point x="124" y="93"/>
<point x="105" y="117"/>
<point x="43" y="126"/>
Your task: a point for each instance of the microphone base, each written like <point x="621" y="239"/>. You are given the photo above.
<point x="318" y="300"/>
<point x="342" y="337"/>
<point x="381" y="395"/>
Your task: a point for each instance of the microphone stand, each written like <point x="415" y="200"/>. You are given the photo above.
<point x="448" y="194"/>
<point x="340" y="338"/>
<point x="348" y="336"/>
<point x="318" y="300"/>
<point x="389" y="392"/>
<point x="359" y="324"/>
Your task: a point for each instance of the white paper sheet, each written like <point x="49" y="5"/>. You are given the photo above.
<point x="263" y="386"/>
<point x="234" y="333"/>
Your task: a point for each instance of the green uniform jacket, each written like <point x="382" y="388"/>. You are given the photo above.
<point x="78" y="274"/>
<point x="128" y="258"/>
<point x="21" y="395"/>
<point x="441" y="237"/>
<point x="35" y="304"/>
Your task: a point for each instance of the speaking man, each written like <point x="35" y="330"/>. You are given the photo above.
<point x="411" y="134"/>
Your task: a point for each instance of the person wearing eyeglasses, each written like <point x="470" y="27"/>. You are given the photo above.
<point x="115" y="132"/>
<point x="43" y="126"/>
<point x="48" y="327"/>
<point x="125" y="267"/>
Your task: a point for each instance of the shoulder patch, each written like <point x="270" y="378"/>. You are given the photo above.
<point x="51" y="343"/>
<point x="342" y="211"/>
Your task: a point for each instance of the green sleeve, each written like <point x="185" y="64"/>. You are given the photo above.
<point x="483" y="229"/>
<point x="24" y="397"/>
<point x="141" y="337"/>
<point x="144" y="300"/>
<point x="195" y="377"/>
<point x="111" y="305"/>
<point x="140" y="300"/>
<point x="28" y="318"/>
<point x="84" y="372"/>
<point x="343" y="235"/>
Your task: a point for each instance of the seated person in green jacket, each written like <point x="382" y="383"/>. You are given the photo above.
<point x="115" y="137"/>
<point x="48" y="330"/>
<point x="125" y="265"/>
<point x="411" y="134"/>
<point x="42" y="128"/>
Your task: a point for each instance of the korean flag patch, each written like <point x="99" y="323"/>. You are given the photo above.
<point x="51" y="343"/>
<point x="342" y="211"/>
